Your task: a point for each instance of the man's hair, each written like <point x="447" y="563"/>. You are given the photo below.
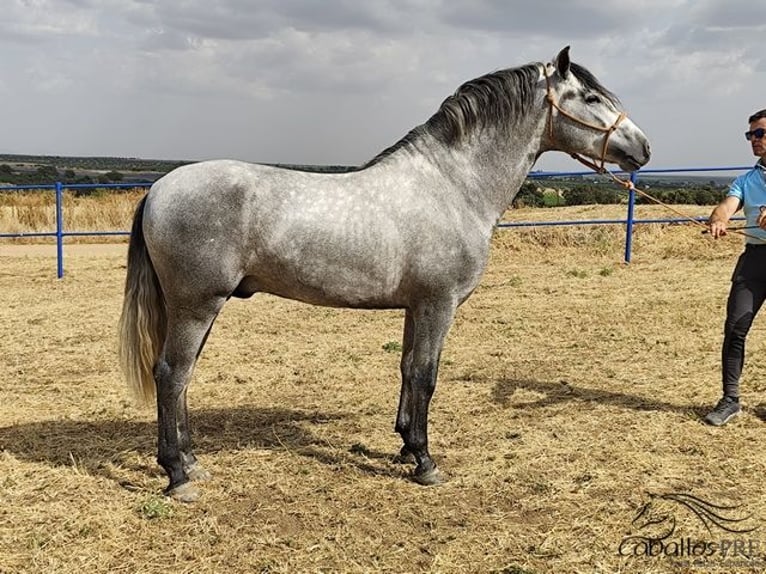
<point x="757" y="116"/>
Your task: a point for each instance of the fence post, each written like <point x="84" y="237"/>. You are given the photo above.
<point x="629" y="219"/>
<point x="59" y="230"/>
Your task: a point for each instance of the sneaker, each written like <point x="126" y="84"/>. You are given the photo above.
<point x="726" y="409"/>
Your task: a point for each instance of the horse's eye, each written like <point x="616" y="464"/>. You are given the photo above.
<point x="591" y="99"/>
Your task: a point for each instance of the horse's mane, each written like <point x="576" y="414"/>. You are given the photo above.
<point x="496" y="99"/>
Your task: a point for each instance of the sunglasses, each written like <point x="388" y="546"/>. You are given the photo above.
<point x="758" y="133"/>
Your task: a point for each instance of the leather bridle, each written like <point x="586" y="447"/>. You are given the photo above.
<point x="608" y="131"/>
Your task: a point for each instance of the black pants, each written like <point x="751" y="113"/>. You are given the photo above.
<point x="748" y="292"/>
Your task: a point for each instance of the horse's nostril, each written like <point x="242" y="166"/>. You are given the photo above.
<point x="647" y="152"/>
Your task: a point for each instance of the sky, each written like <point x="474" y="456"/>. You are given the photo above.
<point x="337" y="81"/>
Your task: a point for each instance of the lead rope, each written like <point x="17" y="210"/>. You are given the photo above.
<point x="627" y="184"/>
<point x="631" y="187"/>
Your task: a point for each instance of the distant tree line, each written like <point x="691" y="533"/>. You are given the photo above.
<point x="48" y="174"/>
<point x="532" y="194"/>
<point x="31" y="170"/>
<point x="123" y="164"/>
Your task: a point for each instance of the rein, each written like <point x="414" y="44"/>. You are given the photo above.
<point x="601" y="168"/>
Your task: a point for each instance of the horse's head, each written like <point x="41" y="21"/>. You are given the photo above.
<point x="586" y="118"/>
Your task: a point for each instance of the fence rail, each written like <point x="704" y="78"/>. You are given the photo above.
<point x="630" y="221"/>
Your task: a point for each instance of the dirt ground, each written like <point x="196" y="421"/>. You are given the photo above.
<point x="569" y="400"/>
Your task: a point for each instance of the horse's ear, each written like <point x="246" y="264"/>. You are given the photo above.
<point x="562" y="62"/>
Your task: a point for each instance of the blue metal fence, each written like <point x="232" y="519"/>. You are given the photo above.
<point x="59" y="233"/>
<point x="629" y="220"/>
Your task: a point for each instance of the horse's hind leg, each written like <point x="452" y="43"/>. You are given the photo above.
<point x="186" y="335"/>
<point x="193" y="468"/>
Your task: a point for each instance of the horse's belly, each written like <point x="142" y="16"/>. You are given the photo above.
<point x="323" y="283"/>
<point x="330" y="296"/>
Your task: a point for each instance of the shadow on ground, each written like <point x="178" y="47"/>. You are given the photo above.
<point x="109" y="447"/>
<point x="561" y="392"/>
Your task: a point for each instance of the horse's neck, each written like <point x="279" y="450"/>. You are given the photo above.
<point x="490" y="168"/>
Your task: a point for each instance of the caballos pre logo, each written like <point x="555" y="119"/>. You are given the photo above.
<point x="729" y="532"/>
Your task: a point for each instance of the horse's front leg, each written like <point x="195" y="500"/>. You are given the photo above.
<point x="430" y="324"/>
<point x="404" y="414"/>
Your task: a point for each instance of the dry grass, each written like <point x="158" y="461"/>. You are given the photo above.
<point x="571" y="386"/>
<point x="35" y="211"/>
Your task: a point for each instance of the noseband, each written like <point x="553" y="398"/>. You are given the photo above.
<point x="606" y="131"/>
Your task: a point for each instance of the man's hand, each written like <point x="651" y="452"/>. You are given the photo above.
<point x="719" y="219"/>
<point x="762" y="217"/>
<point x="718" y="227"/>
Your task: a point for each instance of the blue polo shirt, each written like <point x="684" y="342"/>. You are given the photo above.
<point x="750" y="189"/>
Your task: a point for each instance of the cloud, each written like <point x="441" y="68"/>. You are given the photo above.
<point x="34" y="21"/>
<point x="276" y="80"/>
<point x="572" y="20"/>
<point x="734" y="14"/>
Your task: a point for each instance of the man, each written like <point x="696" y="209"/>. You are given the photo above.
<point x="748" y="282"/>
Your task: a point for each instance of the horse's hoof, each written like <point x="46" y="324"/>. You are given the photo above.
<point x="430" y="477"/>
<point x="197" y="473"/>
<point x="185" y="492"/>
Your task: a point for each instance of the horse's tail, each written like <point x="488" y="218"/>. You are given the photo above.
<point x="143" y="322"/>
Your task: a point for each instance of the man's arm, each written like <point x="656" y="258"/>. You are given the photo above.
<point x="719" y="219"/>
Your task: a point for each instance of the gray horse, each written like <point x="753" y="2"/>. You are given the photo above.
<point x="408" y="230"/>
